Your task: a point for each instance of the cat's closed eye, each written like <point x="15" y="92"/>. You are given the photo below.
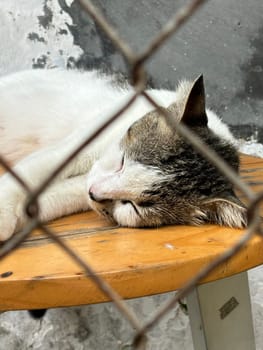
<point x="145" y="204"/>
<point x="123" y="201"/>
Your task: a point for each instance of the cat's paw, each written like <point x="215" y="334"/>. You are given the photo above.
<point x="8" y="223"/>
<point x="11" y="211"/>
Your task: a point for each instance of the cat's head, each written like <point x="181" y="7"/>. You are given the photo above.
<point x="154" y="177"/>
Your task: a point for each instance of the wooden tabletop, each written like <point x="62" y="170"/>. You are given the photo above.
<point x="135" y="262"/>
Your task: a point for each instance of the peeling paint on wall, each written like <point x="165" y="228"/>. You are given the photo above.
<point x="38" y="36"/>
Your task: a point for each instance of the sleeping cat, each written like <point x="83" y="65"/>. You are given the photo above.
<point x="137" y="173"/>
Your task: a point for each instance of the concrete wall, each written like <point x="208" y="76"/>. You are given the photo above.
<point x="224" y="41"/>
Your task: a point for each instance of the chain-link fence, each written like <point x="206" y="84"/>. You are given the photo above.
<point x="138" y="77"/>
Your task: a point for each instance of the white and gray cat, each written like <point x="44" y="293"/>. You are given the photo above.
<point x="138" y="173"/>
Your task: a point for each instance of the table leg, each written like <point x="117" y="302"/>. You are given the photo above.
<point x="220" y="315"/>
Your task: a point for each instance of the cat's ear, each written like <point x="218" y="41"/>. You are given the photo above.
<point x="194" y="112"/>
<point x="225" y="212"/>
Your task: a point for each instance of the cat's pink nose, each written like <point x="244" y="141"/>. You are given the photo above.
<point x="93" y="196"/>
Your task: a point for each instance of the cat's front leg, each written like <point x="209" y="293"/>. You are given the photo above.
<point x="34" y="170"/>
<point x="64" y="197"/>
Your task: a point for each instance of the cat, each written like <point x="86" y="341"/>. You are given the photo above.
<point x="138" y="173"/>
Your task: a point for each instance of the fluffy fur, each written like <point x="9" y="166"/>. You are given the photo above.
<point x="137" y="173"/>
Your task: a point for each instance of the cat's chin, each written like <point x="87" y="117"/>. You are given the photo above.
<point x="126" y="215"/>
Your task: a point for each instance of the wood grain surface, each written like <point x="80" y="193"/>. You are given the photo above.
<point x="135" y="262"/>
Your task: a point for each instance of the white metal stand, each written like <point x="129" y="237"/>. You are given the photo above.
<point x="220" y="315"/>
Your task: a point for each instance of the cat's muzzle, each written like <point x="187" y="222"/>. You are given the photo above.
<point x="95" y="198"/>
<point x="92" y="196"/>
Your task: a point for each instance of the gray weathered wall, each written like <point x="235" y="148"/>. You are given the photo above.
<point x="224" y="41"/>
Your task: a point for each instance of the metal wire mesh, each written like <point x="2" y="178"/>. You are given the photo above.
<point x="138" y="74"/>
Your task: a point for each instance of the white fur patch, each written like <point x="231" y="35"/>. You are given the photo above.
<point x="231" y="215"/>
<point x="128" y="184"/>
<point x="110" y="179"/>
<point x="219" y="127"/>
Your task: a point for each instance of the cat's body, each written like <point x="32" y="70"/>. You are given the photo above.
<point x="47" y="105"/>
<point x="133" y="177"/>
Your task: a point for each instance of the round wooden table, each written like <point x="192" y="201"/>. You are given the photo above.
<point x="135" y="262"/>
